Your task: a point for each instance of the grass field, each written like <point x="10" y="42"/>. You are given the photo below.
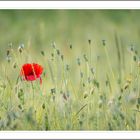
<point x="91" y="69"/>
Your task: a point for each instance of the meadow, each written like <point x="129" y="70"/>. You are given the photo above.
<point x="91" y="69"/>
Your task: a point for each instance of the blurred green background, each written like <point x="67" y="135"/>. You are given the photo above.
<point x="67" y="26"/>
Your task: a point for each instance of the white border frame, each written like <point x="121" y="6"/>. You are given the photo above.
<point x="69" y="5"/>
<point x="70" y="135"/>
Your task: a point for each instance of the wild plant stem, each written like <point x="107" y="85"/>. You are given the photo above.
<point x="33" y="92"/>
<point x="109" y="64"/>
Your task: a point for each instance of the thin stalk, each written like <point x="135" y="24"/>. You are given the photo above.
<point x="33" y="96"/>
<point x="109" y="63"/>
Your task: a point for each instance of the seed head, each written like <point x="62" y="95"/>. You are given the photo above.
<point x="8" y="52"/>
<point x="10" y="45"/>
<point x="70" y="46"/>
<point x="89" y="80"/>
<point x="85" y="95"/>
<point x="85" y="57"/>
<point x="104" y="42"/>
<point x="92" y="91"/>
<point x="78" y="61"/>
<point x="15" y="65"/>
<point x="53" y="45"/>
<point x="20" y="48"/>
<point x="110" y="102"/>
<point x="81" y="74"/>
<point x="92" y="70"/>
<point x="52" y="54"/>
<point x="132" y="47"/>
<point x="67" y="67"/>
<point x="58" y="52"/>
<point x="84" y="85"/>
<point x="89" y="41"/>
<point x="8" y="58"/>
<point x="62" y="57"/>
<point x="43" y="106"/>
<point x="53" y="90"/>
<point x="43" y="53"/>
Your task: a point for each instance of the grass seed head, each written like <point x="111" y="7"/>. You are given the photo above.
<point x="14" y="65"/>
<point x="89" y="41"/>
<point x="8" y="52"/>
<point x="53" y="90"/>
<point x="92" y="70"/>
<point x="42" y="53"/>
<point x="62" y="57"/>
<point x="67" y="67"/>
<point x="53" y="45"/>
<point x="78" y="61"/>
<point x="104" y="42"/>
<point x="20" y="48"/>
<point x="8" y="58"/>
<point x="85" y="57"/>
<point x="10" y="45"/>
<point x="81" y="74"/>
<point x="70" y="46"/>
<point x="58" y="52"/>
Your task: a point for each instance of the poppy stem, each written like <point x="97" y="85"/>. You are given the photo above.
<point x="40" y="85"/>
<point x="33" y="92"/>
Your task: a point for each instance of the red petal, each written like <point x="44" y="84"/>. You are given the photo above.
<point x="31" y="71"/>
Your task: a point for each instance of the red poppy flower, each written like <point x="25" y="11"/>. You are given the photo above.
<point x="31" y="72"/>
